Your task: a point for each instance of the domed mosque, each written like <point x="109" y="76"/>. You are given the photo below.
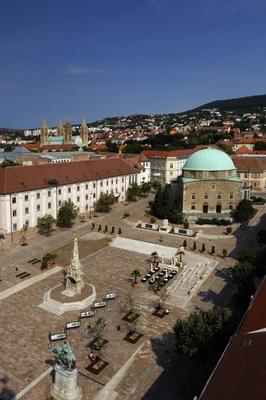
<point x="209" y="183"/>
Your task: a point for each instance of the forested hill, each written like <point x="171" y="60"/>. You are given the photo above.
<point x="248" y="104"/>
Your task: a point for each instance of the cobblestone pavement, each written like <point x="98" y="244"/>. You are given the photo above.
<point x="24" y="326"/>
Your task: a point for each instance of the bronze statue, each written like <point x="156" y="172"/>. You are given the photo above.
<point x="65" y="354"/>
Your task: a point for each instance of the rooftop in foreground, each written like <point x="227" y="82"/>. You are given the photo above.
<point x="241" y="371"/>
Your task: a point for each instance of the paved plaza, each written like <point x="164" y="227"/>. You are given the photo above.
<point x="134" y="371"/>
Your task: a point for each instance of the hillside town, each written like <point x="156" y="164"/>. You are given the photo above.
<point x="136" y="246"/>
<point x="132" y="200"/>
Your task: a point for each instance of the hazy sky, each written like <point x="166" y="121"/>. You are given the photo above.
<point x="85" y="58"/>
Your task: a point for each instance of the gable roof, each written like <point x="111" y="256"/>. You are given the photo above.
<point x="243" y="150"/>
<point x="24" y="178"/>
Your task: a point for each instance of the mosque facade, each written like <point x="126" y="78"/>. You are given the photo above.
<point x="209" y="184"/>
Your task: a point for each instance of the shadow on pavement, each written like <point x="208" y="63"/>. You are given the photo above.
<point x="6" y="393"/>
<point x="181" y="378"/>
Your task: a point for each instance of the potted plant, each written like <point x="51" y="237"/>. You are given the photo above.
<point x="130" y="307"/>
<point x="135" y="274"/>
<point x="154" y="255"/>
<point x="157" y="285"/>
<point x="97" y="363"/>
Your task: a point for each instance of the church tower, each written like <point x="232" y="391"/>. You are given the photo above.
<point x="60" y="129"/>
<point x="44" y="134"/>
<point x="84" y="133"/>
<point x="68" y="133"/>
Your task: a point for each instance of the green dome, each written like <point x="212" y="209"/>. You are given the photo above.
<point x="209" y="159"/>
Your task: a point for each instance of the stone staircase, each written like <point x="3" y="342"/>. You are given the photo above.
<point x="58" y="308"/>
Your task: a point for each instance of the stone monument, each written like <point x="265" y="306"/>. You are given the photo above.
<point x="74" y="276"/>
<point x="65" y="386"/>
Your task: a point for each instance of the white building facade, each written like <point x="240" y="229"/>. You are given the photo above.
<point x="46" y="189"/>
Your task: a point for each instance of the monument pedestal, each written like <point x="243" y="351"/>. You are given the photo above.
<point x="65" y="386"/>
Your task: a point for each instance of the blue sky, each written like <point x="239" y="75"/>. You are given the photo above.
<point x="91" y="59"/>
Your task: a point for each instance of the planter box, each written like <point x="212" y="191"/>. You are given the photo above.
<point x="183" y="231"/>
<point x="133" y="337"/>
<point x="130" y="316"/>
<point x="160" y="313"/>
<point x="97" y="367"/>
<point x="98" y="344"/>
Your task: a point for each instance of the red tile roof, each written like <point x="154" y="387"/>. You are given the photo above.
<point x="174" y="153"/>
<point x="34" y="146"/>
<point x="58" y="147"/>
<point x="168" y="153"/>
<point x="24" y="178"/>
<point x="225" y="142"/>
<point x="249" y="140"/>
<point x="241" y="372"/>
<point x="243" y="150"/>
<point x="250" y="163"/>
<point x="98" y="146"/>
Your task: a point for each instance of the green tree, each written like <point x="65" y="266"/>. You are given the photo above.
<point x="202" y="333"/>
<point x="203" y="248"/>
<point x="113" y="230"/>
<point x="135" y="274"/>
<point x="119" y="231"/>
<point x="244" y="212"/>
<point x="162" y="206"/>
<point x="112" y="147"/>
<point x="66" y="214"/>
<point x="133" y="192"/>
<point x="145" y="187"/>
<point x="213" y="250"/>
<point x="47" y="260"/>
<point x="194" y="246"/>
<point x="105" y="202"/>
<point x="185" y="243"/>
<point x="243" y="274"/>
<point x="9" y="163"/>
<point x="45" y="224"/>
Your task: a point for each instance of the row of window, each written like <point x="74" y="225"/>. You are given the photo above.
<point x="230" y="206"/>
<point x="38" y="195"/>
<point x="218" y="196"/>
<point x="252" y="175"/>
<point x="49" y="205"/>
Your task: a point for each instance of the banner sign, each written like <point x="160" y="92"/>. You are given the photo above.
<point x="57" y="336"/>
<point x="87" y="314"/>
<point x="110" y="296"/>
<point x="99" y="304"/>
<point x="70" y="325"/>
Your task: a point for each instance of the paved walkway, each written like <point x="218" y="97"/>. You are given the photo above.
<point x="143" y="247"/>
<point x="22" y="285"/>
